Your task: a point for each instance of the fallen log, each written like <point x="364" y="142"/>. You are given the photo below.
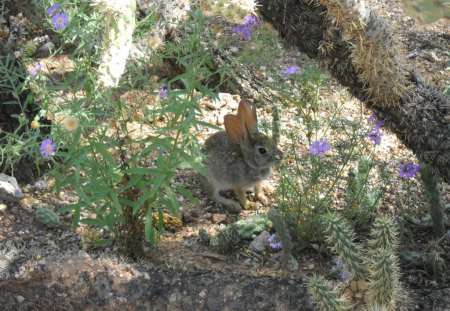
<point x="414" y="110"/>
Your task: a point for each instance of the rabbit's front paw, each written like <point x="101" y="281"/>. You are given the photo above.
<point x="263" y="199"/>
<point x="252" y="205"/>
<point x="259" y="195"/>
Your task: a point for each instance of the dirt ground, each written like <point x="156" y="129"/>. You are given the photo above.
<point x="52" y="270"/>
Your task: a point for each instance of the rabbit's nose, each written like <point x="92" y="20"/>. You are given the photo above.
<point x="278" y="155"/>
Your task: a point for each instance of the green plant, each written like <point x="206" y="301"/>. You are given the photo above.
<point x="231" y="236"/>
<point x="283" y="234"/>
<point x="309" y="179"/>
<point x="47" y="217"/>
<point x="326" y="297"/>
<point x="379" y="265"/>
<point x="434" y="195"/>
<point x="340" y="238"/>
<point x="120" y="153"/>
<point x="362" y="198"/>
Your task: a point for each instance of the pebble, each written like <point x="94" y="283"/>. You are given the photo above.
<point x="42" y="262"/>
<point x="3" y="207"/>
<point x="20" y="298"/>
<point x="83" y="254"/>
<point x="218" y="218"/>
<point x="260" y="243"/>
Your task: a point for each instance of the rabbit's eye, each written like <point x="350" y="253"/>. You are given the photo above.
<point x="262" y="150"/>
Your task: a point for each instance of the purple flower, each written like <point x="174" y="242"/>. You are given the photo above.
<point x="60" y="21"/>
<point x="250" y="20"/>
<point x="33" y="70"/>
<point x="52" y="10"/>
<point x="47" y="147"/>
<point x="408" y="170"/>
<point x="319" y="148"/>
<point x="274" y="243"/>
<point x="288" y="72"/>
<point x="375" y="135"/>
<point x="375" y="121"/>
<point x="162" y="92"/>
<point x="247" y="27"/>
<point x="342" y="272"/>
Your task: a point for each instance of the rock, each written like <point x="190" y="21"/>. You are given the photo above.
<point x="260" y="243"/>
<point x="42" y="262"/>
<point x="230" y="101"/>
<point x="218" y="218"/>
<point x="9" y="189"/>
<point x="20" y="298"/>
<point x="46" y="49"/>
<point x="431" y="57"/>
<point x="83" y="255"/>
<point x="3" y="207"/>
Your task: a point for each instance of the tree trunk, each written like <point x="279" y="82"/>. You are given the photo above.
<point x="416" y="112"/>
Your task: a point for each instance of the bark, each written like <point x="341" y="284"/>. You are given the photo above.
<point x="420" y="118"/>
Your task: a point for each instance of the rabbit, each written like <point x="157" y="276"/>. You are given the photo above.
<point x="239" y="159"/>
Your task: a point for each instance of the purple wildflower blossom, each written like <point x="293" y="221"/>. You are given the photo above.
<point x="162" y="92"/>
<point x="247" y="27"/>
<point x="288" y="72"/>
<point x="47" y="147"/>
<point x="341" y="270"/>
<point x="53" y="9"/>
<point x="33" y="70"/>
<point x="408" y="170"/>
<point x="60" y="20"/>
<point x="274" y="243"/>
<point x="250" y="19"/>
<point x="319" y="148"/>
<point x="375" y="135"/>
<point x="375" y="121"/>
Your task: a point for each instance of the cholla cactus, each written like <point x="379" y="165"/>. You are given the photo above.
<point x="325" y="296"/>
<point x="376" y="307"/>
<point x="382" y="271"/>
<point x="119" y="24"/>
<point x="427" y="11"/>
<point x="282" y="233"/>
<point x="434" y="194"/>
<point x="376" y="54"/>
<point x="6" y="257"/>
<point x="384" y="286"/>
<point x="234" y="9"/>
<point x="47" y="217"/>
<point x="384" y="234"/>
<point x="340" y="238"/>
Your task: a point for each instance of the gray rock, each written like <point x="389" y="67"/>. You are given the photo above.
<point x="260" y="243"/>
<point x="20" y="299"/>
<point x="3" y="207"/>
<point x="9" y="189"/>
<point x="83" y="254"/>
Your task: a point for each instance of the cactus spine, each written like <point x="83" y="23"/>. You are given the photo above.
<point x="325" y="296"/>
<point x="375" y="53"/>
<point x="384" y="272"/>
<point x="340" y="239"/>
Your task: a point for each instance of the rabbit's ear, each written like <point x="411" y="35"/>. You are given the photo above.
<point x="235" y="129"/>
<point x="247" y="112"/>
